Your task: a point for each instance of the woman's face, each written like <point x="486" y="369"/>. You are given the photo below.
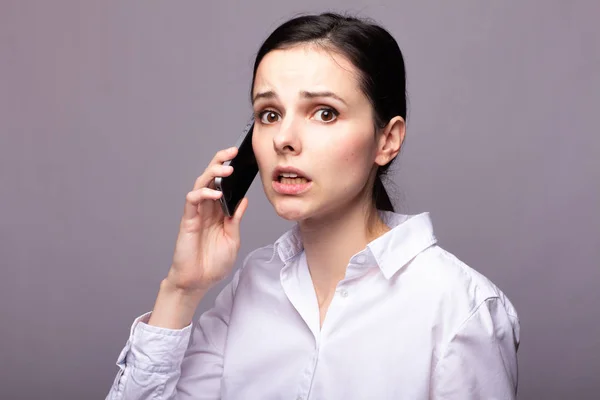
<point x="312" y="118"/>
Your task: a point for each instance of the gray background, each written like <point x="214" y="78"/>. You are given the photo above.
<point x="109" y="111"/>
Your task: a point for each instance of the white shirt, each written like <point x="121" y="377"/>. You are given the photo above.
<point x="408" y="321"/>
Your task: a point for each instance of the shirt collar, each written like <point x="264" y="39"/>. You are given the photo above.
<point x="288" y="245"/>
<point x="408" y="236"/>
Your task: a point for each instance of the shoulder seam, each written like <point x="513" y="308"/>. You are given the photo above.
<point x="459" y="328"/>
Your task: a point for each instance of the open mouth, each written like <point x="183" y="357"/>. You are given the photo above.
<point x="291" y="183"/>
<point x="291" y="179"/>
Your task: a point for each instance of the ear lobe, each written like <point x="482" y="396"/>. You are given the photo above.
<point x="390" y="140"/>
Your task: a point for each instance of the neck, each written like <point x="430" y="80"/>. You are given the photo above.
<point x="330" y="241"/>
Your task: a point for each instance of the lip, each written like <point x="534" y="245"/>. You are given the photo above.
<point x="293" y="189"/>
<point x="279" y="170"/>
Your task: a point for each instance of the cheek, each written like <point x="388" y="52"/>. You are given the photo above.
<point x="344" y="165"/>
<point x="353" y="156"/>
<point x="263" y="152"/>
<point x="260" y="152"/>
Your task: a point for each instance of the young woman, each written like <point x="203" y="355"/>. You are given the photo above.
<point x="356" y="301"/>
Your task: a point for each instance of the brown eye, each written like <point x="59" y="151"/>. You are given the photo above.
<point x="327" y="114"/>
<point x="269" y="117"/>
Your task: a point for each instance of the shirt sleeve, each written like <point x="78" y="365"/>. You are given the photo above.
<point x="480" y="361"/>
<point x="164" y="364"/>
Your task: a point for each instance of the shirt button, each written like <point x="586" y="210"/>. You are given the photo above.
<point x="344" y="293"/>
<point x="361" y="259"/>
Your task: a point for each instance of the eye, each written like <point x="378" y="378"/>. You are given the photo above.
<point x="268" y="117"/>
<point x="327" y="114"/>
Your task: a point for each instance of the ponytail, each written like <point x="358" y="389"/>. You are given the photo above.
<point x="380" y="195"/>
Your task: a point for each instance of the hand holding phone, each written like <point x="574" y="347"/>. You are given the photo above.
<point x="245" y="169"/>
<point x="205" y="251"/>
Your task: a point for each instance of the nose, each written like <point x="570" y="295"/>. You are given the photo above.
<point x="287" y="139"/>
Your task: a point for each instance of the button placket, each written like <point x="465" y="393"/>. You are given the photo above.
<point x="308" y="376"/>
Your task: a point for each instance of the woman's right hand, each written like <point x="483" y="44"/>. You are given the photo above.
<point x="208" y="241"/>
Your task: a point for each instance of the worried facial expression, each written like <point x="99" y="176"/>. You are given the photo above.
<point x="314" y="136"/>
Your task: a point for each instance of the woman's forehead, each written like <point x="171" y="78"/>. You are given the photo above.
<point x="306" y="68"/>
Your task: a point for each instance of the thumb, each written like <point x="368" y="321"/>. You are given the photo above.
<point x="232" y="224"/>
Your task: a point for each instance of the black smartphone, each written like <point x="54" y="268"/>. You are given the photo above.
<point x="245" y="169"/>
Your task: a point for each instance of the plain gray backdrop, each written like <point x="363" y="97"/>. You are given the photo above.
<point x="109" y="110"/>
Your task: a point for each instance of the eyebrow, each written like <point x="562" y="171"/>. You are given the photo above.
<point x="305" y="94"/>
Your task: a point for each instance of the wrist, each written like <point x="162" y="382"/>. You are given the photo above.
<point x="174" y="307"/>
<point x="184" y="294"/>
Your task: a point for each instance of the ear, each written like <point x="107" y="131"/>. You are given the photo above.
<point x="390" y="140"/>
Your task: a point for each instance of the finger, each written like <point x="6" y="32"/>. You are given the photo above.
<point x="210" y="173"/>
<point x="232" y="225"/>
<point x="223" y="155"/>
<point x="193" y="199"/>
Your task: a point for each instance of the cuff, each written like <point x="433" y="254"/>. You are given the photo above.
<point x="154" y="349"/>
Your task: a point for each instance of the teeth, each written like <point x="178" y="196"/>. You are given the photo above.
<point x="293" y="181"/>
<point x="289" y="175"/>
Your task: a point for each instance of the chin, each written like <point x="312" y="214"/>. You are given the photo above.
<point x="291" y="209"/>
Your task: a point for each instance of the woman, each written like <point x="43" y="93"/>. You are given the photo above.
<point x="354" y="302"/>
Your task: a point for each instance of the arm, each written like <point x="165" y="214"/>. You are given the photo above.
<point x="206" y="248"/>
<point x="162" y="363"/>
<point x="480" y="361"/>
